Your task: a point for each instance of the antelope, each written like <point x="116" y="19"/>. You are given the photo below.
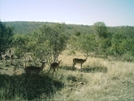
<point x="35" y="69"/>
<point x="55" y="65"/>
<point x="79" y="61"/>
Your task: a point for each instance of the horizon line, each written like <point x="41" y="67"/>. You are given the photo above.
<point x="69" y="23"/>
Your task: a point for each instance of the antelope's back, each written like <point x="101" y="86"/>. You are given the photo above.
<point x="32" y="69"/>
<point x="78" y="60"/>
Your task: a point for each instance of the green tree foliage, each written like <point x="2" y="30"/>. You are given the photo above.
<point x="87" y="43"/>
<point x="52" y="38"/>
<point x="6" y="34"/>
<point x="103" y="38"/>
<point x="82" y="42"/>
<point x="46" y="43"/>
<point x="56" y="39"/>
<point x="21" y="44"/>
<point x="129" y="45"/>
<point x="100" y="29"/>
<point x="118" y="46"/>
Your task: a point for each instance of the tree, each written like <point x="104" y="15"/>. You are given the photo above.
<point x="103" y="38"/>
<point x="21" y="44"/>
<point x="100" y="29"/>
<point x="46" y="43"/>
<point x="56" y="39"/>
<point x="87" y="43"/>
<point x="117" y="44"/>
<point x="6" y="34"/>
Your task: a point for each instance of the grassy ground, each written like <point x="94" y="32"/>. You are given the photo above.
<point x="99" y="80"/>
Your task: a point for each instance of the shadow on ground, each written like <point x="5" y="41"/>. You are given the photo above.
<point x="94" y="69"/>
<point x="68" y="68"/>
<point x="28" y="88"/>
<point x="87" y="69"/>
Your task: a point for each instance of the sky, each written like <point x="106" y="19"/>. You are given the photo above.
<point x="86" y="12"/>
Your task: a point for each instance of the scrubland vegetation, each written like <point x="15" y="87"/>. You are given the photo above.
<point x="106" y="75"/>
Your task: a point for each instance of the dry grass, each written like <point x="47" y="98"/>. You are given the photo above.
<point x="99" y="80"/>
<point x="115" y="84"/>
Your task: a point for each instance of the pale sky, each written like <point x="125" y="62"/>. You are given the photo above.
<point x="86" y="12"/>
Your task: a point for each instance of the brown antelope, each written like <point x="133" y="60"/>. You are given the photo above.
<point x="79" y="61"/>
<point x="55" y="65"/>
<point x="34" y="69"/>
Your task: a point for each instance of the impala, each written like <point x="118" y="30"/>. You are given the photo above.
<point x="54" y="65"/>
<point x="34" y="69"/>
<point x="79" y="61"/>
